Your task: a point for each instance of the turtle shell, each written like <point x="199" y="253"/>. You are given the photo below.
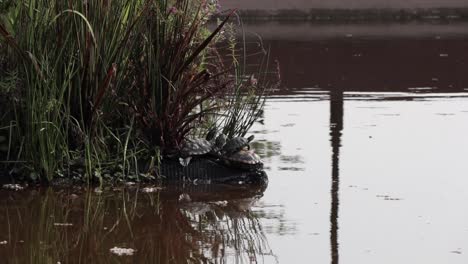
<point x="236" y="144"/>
<point x="195" y="147"/>
<point x="244" y="159"/>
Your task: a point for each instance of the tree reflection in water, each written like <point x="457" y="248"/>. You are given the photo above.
<point x="81" y="226"/>
<point x="336" y="127"/>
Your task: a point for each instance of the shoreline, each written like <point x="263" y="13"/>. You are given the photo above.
<point x="333" y="15"/>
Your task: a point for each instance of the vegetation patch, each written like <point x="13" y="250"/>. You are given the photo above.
<point x="105" y="90"/>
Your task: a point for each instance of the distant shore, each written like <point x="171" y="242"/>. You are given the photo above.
<point x="355" y="15"/>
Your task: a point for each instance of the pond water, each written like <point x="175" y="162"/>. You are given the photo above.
<point x="367" y="163"/>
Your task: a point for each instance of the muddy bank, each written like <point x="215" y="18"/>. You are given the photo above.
<point x="199" y="171"/>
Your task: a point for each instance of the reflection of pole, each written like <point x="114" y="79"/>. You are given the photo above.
<point x="336" y="126"/>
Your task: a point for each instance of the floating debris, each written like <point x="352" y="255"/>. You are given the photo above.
<point x="13" y="187"/>
<point x="392" y="199"/>
<point x="423" y="88"/>
<point x="388" y="197"/>
<point x="122" y="251"/>
<point x="288" y="125"/>
<point x="63" y="224"/>
<point x="151" y="189"/>
<point x="445" y="114"/>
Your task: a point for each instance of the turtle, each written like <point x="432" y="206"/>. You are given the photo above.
<point x="194" y="147"/>
<point x="244" y="159"/>
<point x="200" y="147"/>
<point x="218" y="145"/>
<point x="236" y="144"/>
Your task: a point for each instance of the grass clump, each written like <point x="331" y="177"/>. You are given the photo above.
<point x="100" y="89"/>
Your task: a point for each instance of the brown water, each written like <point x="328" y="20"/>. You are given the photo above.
<point x="370" y="172"/>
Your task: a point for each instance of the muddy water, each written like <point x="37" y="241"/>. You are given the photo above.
<point x="373" y="172"/>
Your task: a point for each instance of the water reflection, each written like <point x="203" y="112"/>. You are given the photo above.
<point x="266" y="149"/>
<point x="367" y="57"/>
<point x="217" y="225"/>
<point x="336" y="126"/>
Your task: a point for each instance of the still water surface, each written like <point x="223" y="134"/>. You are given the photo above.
<point x="384" y="183"/>
<point x="355" y="176"/>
